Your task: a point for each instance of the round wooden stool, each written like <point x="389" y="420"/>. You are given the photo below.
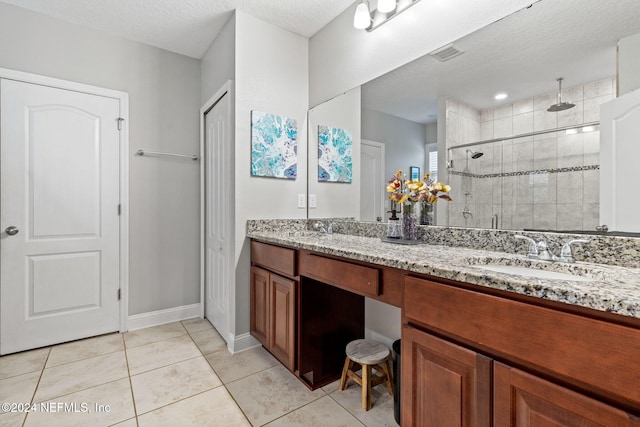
<point x="368" y="354"/>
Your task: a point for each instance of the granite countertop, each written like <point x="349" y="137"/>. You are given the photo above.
<point x="609" y="288"/>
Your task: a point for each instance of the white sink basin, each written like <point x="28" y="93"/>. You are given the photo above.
<point x="533" y="272"/>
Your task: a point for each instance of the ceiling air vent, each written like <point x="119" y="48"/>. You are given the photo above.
<point x="446" y="53"/>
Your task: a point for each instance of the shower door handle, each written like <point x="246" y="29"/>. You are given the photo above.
<point x="11" y="230"/>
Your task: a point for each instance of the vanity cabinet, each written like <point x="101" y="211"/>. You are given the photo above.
<point x="445" y="384"/>
<point x="471" y="358"/>
<point x="522" y="399"/>
<point x="273" y="301"/>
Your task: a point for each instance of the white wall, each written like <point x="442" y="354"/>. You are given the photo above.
<point x="272" y="75"/>
<point x="164" y="94"/>
<point x="342" y="57"/>
<point x="404" y="140"/>
<point x="336" y="199"/>
<point x="628" y="64"/>
<point x="219" y="62"/>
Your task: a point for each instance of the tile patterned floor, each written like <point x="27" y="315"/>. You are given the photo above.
<point x="179" y="374"/>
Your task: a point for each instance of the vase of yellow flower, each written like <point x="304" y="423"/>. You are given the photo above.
<point x="411" y="195"/>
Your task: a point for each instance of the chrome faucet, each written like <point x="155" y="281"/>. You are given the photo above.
<point x="565" y="253"/>
<point x="544" y="254"/>
<point x="541" y="251"/>
<point x="533" y="246"/>
<point x="326" y="230"/>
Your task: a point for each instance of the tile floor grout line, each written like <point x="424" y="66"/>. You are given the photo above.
<point x="260" y="371"/>
<point x="35" y="390"/>
<point x="179" y="400"/>
<point x="86" y="358"/>
<point x="163" y="366"/>
<point x="307" y="404"/>
<point x="221" y="382"/>
<point x="133" y="398"/>
<point x="154" y="342"/>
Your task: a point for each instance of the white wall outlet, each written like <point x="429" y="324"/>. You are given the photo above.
<point x="302" y="200"/>
<point x="312" y="201"/>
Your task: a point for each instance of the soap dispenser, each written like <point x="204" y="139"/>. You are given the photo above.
<point x="394" y="230"/>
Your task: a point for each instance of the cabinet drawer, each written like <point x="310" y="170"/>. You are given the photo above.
<point x="345" y="275"/>
<point x="275" y="258"/>
<point x="565" y="345"/>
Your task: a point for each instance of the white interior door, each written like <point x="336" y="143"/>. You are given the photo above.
<point x="619" y="154"/>
<point x="372" y="182"/>
<point x="218" y="200"/>
<point x="59" y="185"/>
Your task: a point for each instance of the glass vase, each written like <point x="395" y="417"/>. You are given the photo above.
<point x="426" y="213"/>
<point x="409" y="218"/>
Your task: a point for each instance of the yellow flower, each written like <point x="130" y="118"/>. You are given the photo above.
<point x="391" y="188"/>
<point x="415" y="185"/>
<point x="446" y="188"/>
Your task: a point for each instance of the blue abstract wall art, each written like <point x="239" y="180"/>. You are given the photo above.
<point x="274" y="146"/>
<point x="335" y="162"/>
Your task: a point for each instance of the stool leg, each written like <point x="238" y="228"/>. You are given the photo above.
<point x="344" y="379"/>
<point x="366" y="387"/>
<point x="387" y="371"/>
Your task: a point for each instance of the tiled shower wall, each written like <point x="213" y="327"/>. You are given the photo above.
<point x="548" y="181"/>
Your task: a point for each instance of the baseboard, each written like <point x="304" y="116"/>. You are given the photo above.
<point x="160" y="317"/>
<point x="241" y="342"/>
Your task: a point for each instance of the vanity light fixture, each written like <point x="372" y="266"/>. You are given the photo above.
<point x="386" y="6"/>
<point x="362" y="18"/>
<point x="366" y="19"/>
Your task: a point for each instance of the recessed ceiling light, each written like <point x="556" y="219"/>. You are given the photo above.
<point x="501" y="96"/>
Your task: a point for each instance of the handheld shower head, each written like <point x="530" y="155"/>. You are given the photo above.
<point x="475" y="154"/>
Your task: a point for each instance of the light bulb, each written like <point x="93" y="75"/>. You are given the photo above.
<point x="386" y="6"/>
<point x="362" y="18"/>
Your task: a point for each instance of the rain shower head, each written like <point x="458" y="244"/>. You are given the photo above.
<point x="475" y="154"/>
<point x="560" y="106"/>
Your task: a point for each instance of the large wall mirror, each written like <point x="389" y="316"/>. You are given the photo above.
<point x="511" y="163"/>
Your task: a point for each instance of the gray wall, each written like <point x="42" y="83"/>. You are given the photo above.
<point x="404" y="140"/>
<point x="164" y="101"/>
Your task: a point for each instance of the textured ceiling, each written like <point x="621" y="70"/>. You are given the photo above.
<point x="521" y="55"/>
<point x="185" y="26"/>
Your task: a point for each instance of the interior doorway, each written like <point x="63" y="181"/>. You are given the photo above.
<point x="372" y="182"/>
<point x="61" y="260"/>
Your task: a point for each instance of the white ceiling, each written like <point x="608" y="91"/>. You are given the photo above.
<point x="521" y="55"/>
<point x="185" y="26"/>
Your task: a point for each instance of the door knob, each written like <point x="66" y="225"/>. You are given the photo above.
<point x="12" y="230"/>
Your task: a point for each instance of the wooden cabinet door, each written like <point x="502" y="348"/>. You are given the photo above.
<point x="524" y="400"/>
<point x="260" y="305"/>
<point x="282" y="319"/>
<point x="445" y="385"/>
